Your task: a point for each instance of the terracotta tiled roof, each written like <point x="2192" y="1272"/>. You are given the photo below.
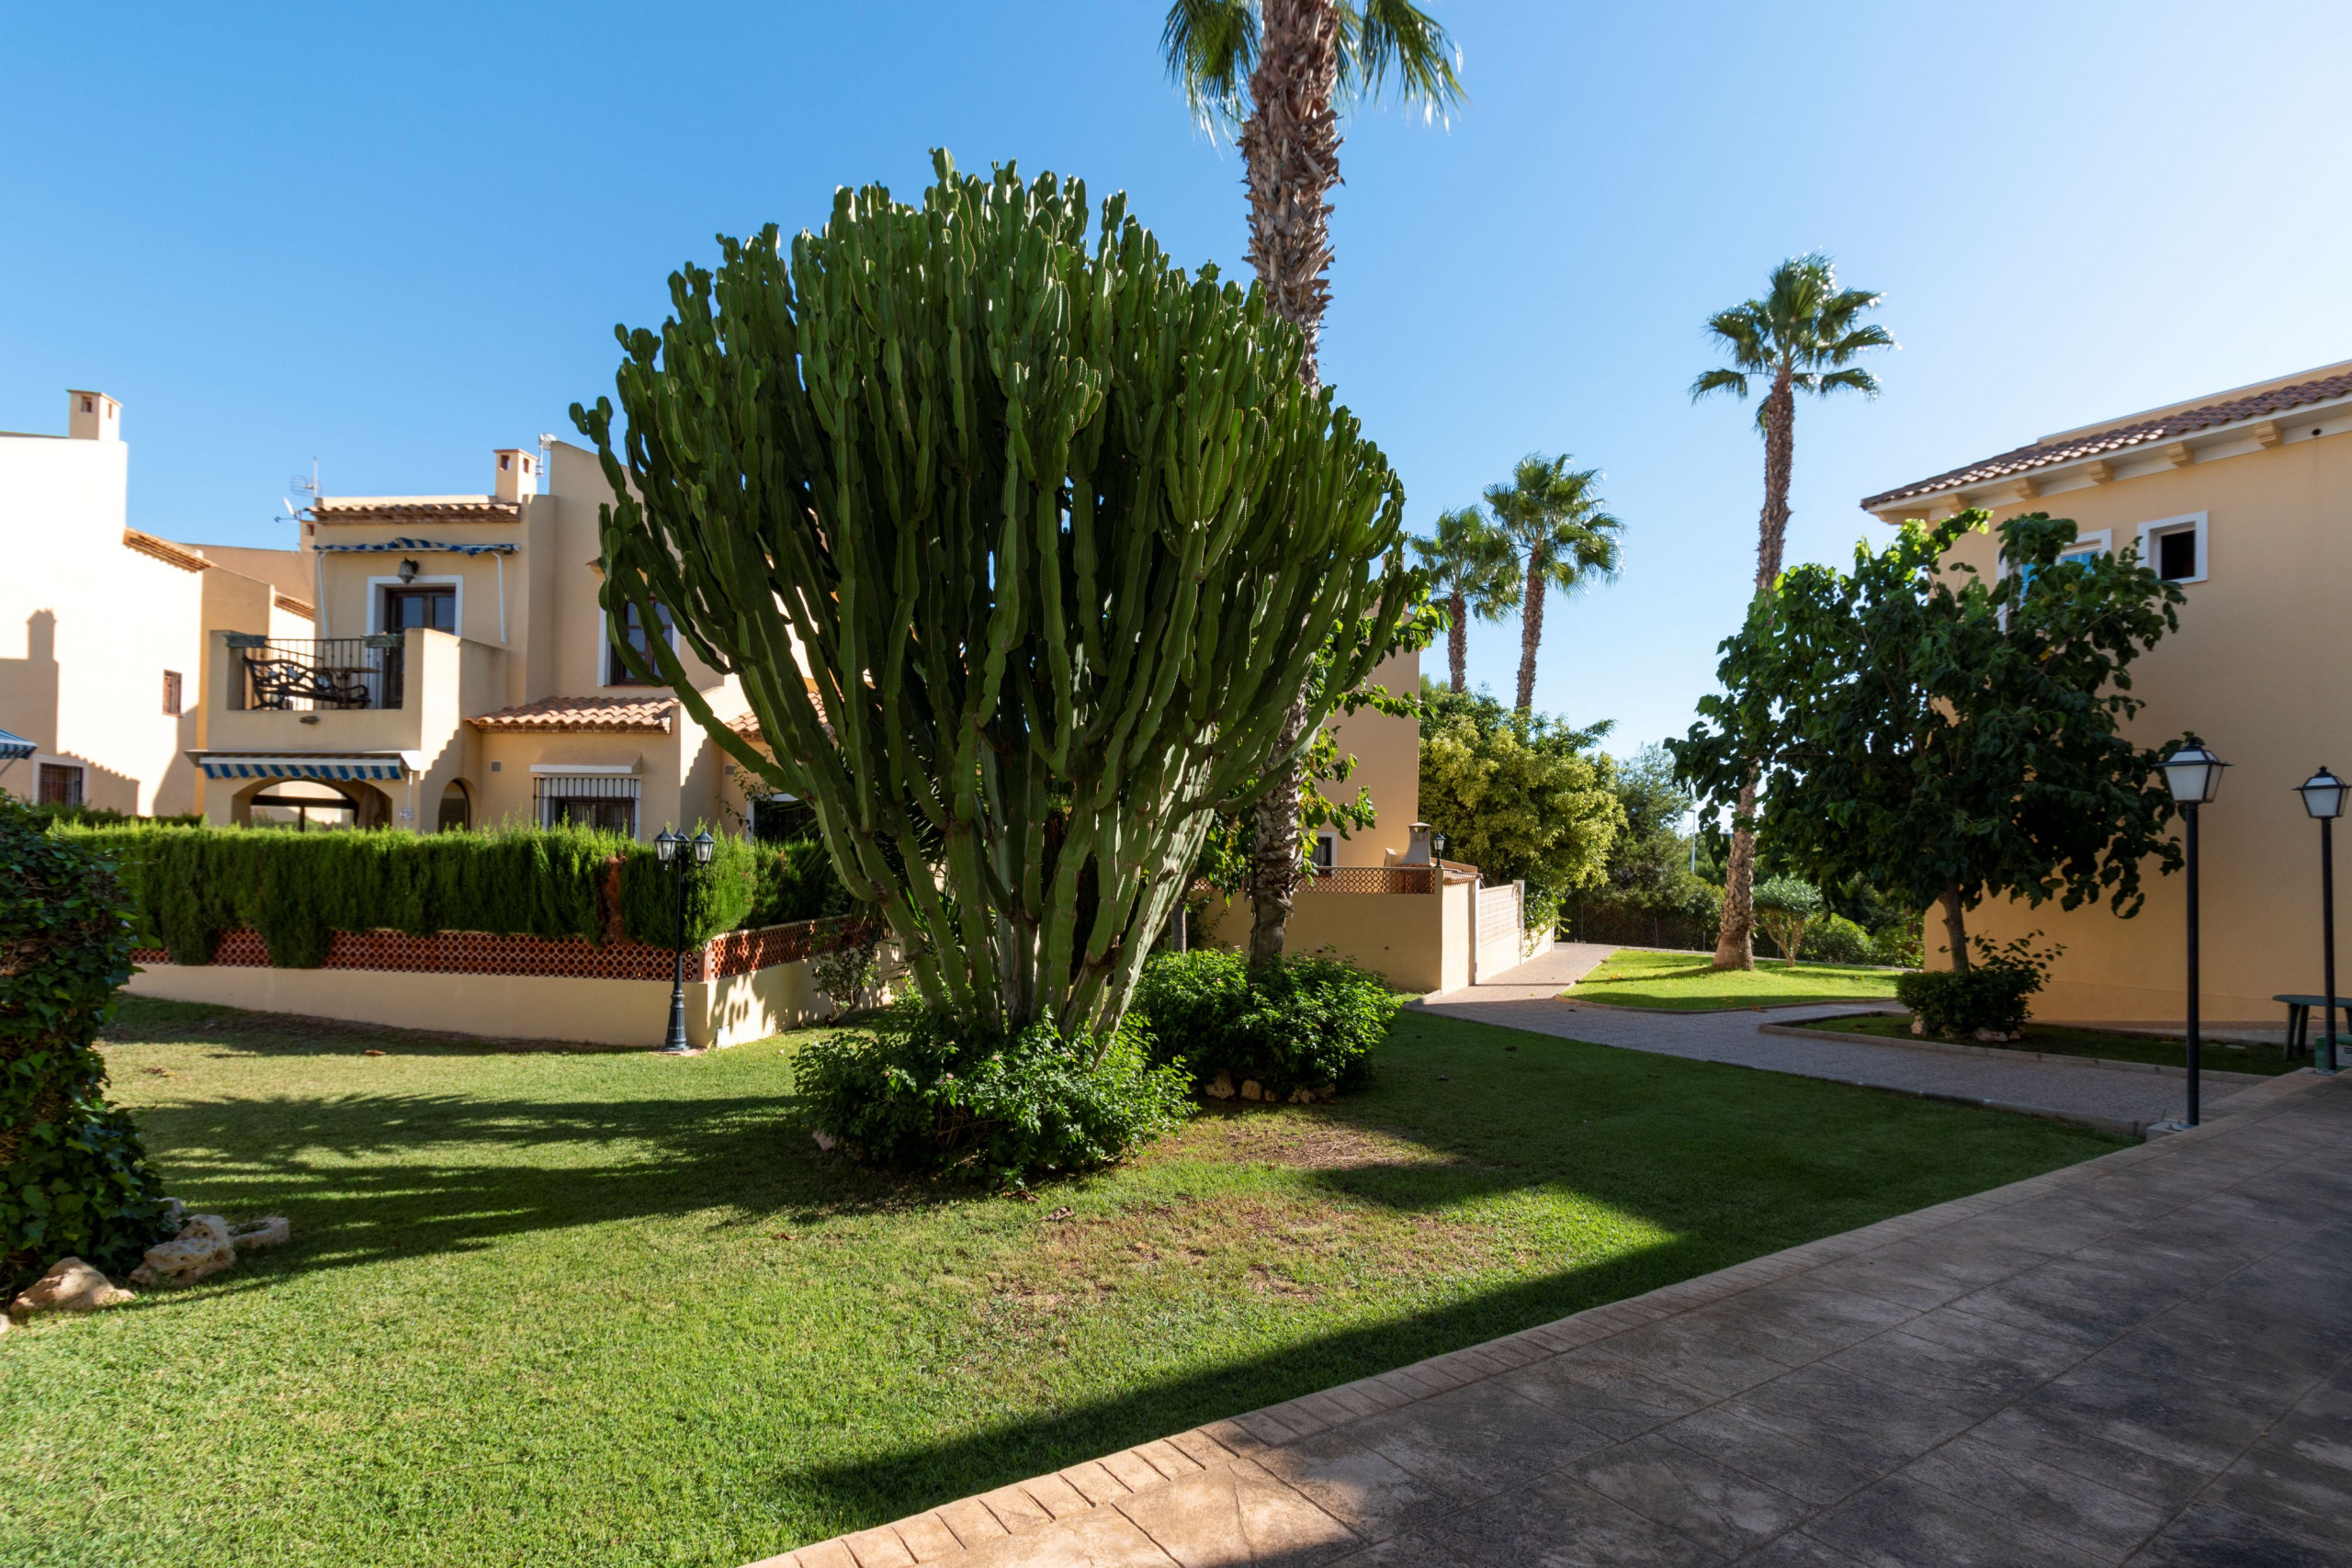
<point x="293" y="606"/>
<point x="746" y="723"/>
<point x="2170" y="426"/>
<point x="164" y="551"/>
<point x="552" y="716"/>
<point x="416" y="509"/>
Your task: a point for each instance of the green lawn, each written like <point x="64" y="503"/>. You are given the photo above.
<point x="551" y="1307"/>
<point x="2058" y="1039"/>
<point x="1688" y="981"/>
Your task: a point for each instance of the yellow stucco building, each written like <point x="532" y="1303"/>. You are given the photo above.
<point x="103" y="628"/>
<point x="2244" y="499"/>
<point x="460" y="673"/>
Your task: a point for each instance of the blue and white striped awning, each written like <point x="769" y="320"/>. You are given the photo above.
<point x="15" y="747"/>
<point x="415" y="546"/>
<point x="381" y="765"/>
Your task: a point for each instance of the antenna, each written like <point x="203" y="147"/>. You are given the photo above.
<point x="302" y="485"/>
<point x="546" y="458"/>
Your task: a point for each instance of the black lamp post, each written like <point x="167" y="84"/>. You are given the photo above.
<point x="672" y="848"/>
<point x="2322" y="795"/>
<point x="2193" y="774"/>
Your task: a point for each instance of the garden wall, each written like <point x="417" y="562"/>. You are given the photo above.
<point x="742" y="985"/>
<point x="1418" y="942"/>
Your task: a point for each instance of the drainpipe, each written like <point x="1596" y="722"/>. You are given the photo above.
<point x="1474" y="931"/>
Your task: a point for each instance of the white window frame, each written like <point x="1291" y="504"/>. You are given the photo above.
<point x="1326" y="841"/>
<point x="2185" y="521"/>
<point x="376" y="586"/>
<point x="2102" y="542"/>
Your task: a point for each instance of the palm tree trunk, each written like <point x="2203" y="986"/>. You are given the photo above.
<point x="1735" y="937"/>
<point x="1531" y="629"/>
<point x="1290" y="157"/>
<point x="1457" y="639"/>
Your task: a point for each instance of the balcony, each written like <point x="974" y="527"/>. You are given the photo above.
<point x="339" y="674"/>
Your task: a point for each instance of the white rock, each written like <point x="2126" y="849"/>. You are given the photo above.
<point x="825" y="1141"/>
<point x="273" y="1231"/>
<point x="203" y="1249"/>
<point x="1221" y="1086"/>
<point x="1250" y="1089"/>
<point x="71" y="1285"/>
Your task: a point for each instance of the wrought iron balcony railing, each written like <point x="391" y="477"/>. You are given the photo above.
<point x="336" y="673"/>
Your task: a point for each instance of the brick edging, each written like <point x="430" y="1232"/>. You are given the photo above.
<point x="1235" y="1442"/>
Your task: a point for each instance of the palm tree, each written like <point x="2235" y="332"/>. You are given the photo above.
<point x="1475" y="570"/>
<point x="1281" y="70"/>
<point x="1805" y="334"/>
<point x="1551" y="514"/>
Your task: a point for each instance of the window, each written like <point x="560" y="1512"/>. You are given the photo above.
<point x="435" y="609"/>
<point x="172" y="693"/>
<point x="632" y="631"/>
<point x="604" y="801"/>
<point x="2175" y="547"/>
<point x="780" y="817"/>
<point x="2086" y="546"/>
<point x="60" y="785"/>
<point x="1327" y="852"/>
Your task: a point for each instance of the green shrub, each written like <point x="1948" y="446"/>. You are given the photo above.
<point x="1834" y="939"/>
<point x="797" y="882"/>
<point x="187" y="886"/>
<point x="1898" y="943"/>
<point x="74" y="1179"/>
<point x="718" y="896"/>
<point x="1303" y="1023"/>
<point x="915" y="1094"/>
<point x="1989" y="999"/>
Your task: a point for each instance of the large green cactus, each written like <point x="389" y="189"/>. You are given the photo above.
<point x="1056" y="534"/>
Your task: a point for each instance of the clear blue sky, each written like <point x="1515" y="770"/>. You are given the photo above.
<point x="394" y="239"/>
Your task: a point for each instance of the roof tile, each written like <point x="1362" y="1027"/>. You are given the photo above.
<point x="551" y="716"/>
<point x="2095" y="443"/>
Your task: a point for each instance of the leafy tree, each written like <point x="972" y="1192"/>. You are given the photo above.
<point x="1280" y="70"/>
<point x="1943" y="738"/>
<point x="1520" y="795"/>
<point x="1801" y="337"/>
<point x="1784" y="905"/>
<point x="1474" y="570"/>
<point x="1058" y="534"/>
<point x="1649" y="862"/>
<point x="1551" y="515"/>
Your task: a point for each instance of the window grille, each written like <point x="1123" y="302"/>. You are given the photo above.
<point x="587" y="800"/>
<point x="60" y="784"/>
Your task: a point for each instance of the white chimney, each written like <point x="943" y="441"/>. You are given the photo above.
<point x="519" y="473"/>
<point x="93" y="416"/>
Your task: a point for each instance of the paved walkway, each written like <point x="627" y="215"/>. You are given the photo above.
<point x="1525" y="997"/>
<point x="2145" y="1358"/>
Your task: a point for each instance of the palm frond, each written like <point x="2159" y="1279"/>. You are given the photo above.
<point x="1378" y="38"/>
<point x="1730" y="381"/>
<point x="1210" y="46"/>
<point x="1853" y="378"/>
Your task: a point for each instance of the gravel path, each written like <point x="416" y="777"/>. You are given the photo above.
<point x="1528" y="998"/>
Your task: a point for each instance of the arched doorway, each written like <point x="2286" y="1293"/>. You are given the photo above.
<point x="457" y="812"/>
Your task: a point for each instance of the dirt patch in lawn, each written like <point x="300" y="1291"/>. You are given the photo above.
<point x="1316" y="1141"/>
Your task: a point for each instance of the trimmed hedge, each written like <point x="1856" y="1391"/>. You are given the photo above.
<point x="74" y="1179"/>
<point x="189" y="886"/>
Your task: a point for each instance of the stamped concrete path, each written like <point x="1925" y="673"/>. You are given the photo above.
<point x="2121" y="1097"/>
<point x="2145" y="1358"/>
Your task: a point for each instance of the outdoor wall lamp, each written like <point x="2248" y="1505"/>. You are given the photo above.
<point x="2193" y="774"/>
<point x="677" y="851"/>
<point x="407" y="572"/>
<point x="2322" y="795"/>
